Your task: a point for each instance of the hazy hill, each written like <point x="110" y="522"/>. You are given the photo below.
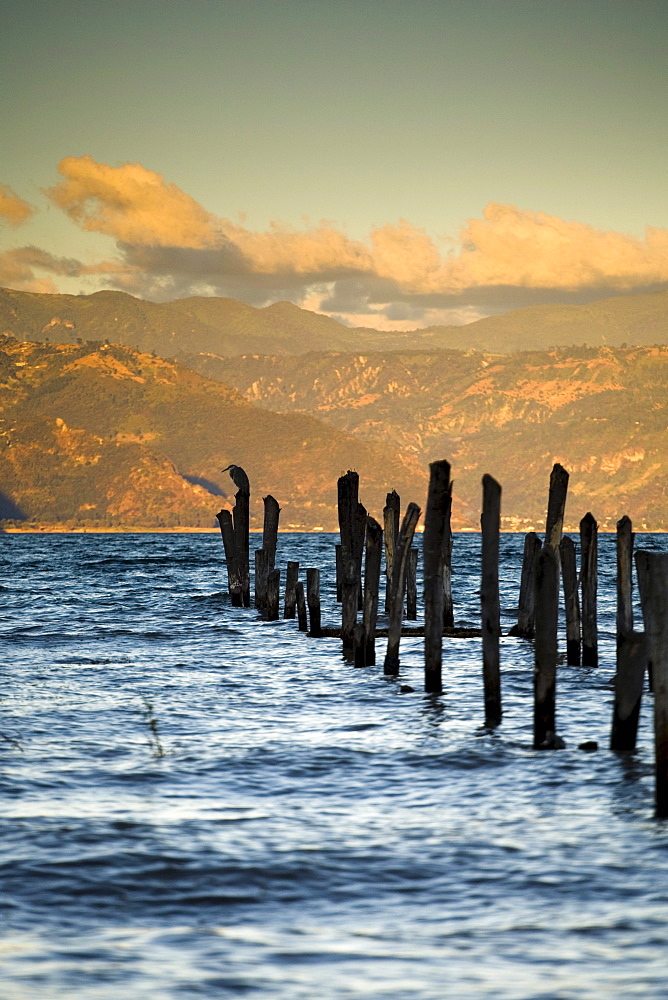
<point x="602" y="412"/>
<point x="226" y="327"/>
<point x="106" y="435"/>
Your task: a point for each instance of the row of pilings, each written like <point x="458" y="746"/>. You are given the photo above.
<point x="545" y="564"/>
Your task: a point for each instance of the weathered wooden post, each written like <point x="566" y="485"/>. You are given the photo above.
<point x="589" y="577"/>
<point x="359" y="533"/>
<point x="241" y="522"/>
<point x="313" y="600"/>
<point x="490" y="523"/>
<point x="411" y="585"/>
<point x="270" y="529"/>
<point x="556" y="506"/>
<point x="399" y="564"/>
<point x="233" y="575"/>
<point x="302" y="623"/>
<point x="374" y="547"/>
<point x="348" y="498"/>
<point x="391" y="512"/>
<point x="525" y="627"/>
<point x="273" y="588"/>
<point x="624" y="579"/>
<point x="291" y="577"/>
<point x="359" y="645"/>
<point x="571" y="600"/>
<point x="448" y="607"/>
<point x="545" y="652"/>
<point x="349" y="588"/>
<point x="631" y="666"/>
<point x="434" y="540"/>
<point x="339" y="571"/>
<point x="261" y="574"/>
<point x="652" y="570"/>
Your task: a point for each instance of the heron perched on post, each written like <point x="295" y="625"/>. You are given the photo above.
<point x="238" y="477"/>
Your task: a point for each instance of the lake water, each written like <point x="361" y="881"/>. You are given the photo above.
<point x="198" y="803"/>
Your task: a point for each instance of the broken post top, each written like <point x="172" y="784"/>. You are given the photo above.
<point x="238" y="477"/>
<point x="556" y="505"/>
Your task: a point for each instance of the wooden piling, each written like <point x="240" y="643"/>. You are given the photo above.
<point x="233" y="575"/>
<point x="261" y="574"/>
<point x="571" y="601"/>
<point x="273" y="588"/>
<point x="359" y="533"/>
<point x="359" y="646"/>
<point x="313" y="600"/>
<point x="589" y="579"/>
<point x="241" y="522"/>
<point x="391" y="512"/>
<point x="347" y="494"/>
<point x="411" y="585"/>
<point x="270" y="529"/>
<point x="349" y="589"/>
<point x="291" y="578"/>
<point x="302" y="622"/>
<point x="631" y="666"/>
<point x="545" y="671"/>
<point x="448" y="607"/>
<point x="434" y="540"/>
<point x="652" y="570"/>
<point x="339" y="571"/>
<point x="526" y="627"/>
<point x="624" y="579"/>
<point x="556" y="506"/>
<point x="374" y="547"/>
<point x="490" y="523"/>
<point x="399" y="564"/>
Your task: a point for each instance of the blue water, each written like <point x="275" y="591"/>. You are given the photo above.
<point x="198" y="803"/>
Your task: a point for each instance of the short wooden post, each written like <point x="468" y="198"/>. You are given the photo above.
<point x="391" y="512"/>
<point x="349" y="588"/>
<point x="556" y="506"/>
<point x="374" y="546"/>
<point x="359" y="646"/>
<point x="241" y="521"/>
<point x="631" y="666"/>
<point x="313" y="600"/>
<point x="490" y="523"/>
<point x="273" y="588"/>
<point x="569" y="576"/>
<point x="270" y="530"/>
<point x="545" y="653"/>
<point x="448" y="607"/>
<point x="411" y="585"/>
<point x="624" y="579"/>
<point x="291" y="577"/>
<point x="302" y="622"/>
<point x="434" y="540"/>
<point x="399" y="564"/>
<point x="652" y="570"/>
<point x="589" y="577"/>
<point x="261" y="574"/>
<point x="526" y="627"/>
<point x="233" y="575"/>
<point x="339" y="571"/>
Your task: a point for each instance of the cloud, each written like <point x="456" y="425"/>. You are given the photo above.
<point x="20" y="267"/>
<point x="169" y="246"/>
<point x="13" y="209"/>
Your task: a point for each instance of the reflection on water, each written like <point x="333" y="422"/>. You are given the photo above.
<point x="197" y="803"/>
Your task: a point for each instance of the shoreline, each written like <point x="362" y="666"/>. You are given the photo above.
<point x="59" y="529"/>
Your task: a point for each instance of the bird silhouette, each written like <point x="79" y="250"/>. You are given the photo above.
<point x="238" y="477"/>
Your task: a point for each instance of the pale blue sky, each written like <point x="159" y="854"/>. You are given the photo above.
<point x="360" y="113"/>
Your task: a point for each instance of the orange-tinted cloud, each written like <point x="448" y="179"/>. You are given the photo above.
<point x="29" y="269"/>
<point x="12" y="208"/>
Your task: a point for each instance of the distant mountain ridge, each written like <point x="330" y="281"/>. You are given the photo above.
<point x="228" y="328"/>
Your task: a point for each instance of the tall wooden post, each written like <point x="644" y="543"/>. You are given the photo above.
<point x="302" y="622"/>
<point x="391" y="512"/>
<point x="233" y="574"/>
<point x="545" y="673"/>
<point x="359" y="531"/>
<point x="631" y="666"/>
<point x="556" y="506"/>
<point x="261" y="574"/>
<point x="624" y="579"/>
<point x="273" y="588"/>
<point x="399" y="564"/>
<point x="490" y="523"/>
<point x="350" y="586"/>
<point x="448" y="607"/>
<point x="270" y="530"/>
<point x="313" y="600"/>
<point x="411" y="585"/>
<point x="589" y="577"/>
<point x="291" y="577"/>
<point x="241" y="521"/>
<point x="434" y="540"/>
<point x="571" y="600"/>
<point x="339" y="571"/>
<point x="347" y="493"/>
<point x="652" y="570"/>
<point x="374" y="545"/>
<point x="525" y="627"/>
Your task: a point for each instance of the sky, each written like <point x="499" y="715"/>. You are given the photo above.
<point x="392" y="164"/>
